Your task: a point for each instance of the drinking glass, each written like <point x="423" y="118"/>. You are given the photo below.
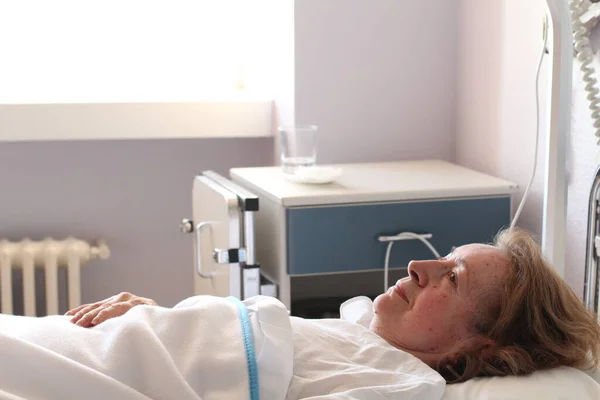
<point x="298" y="147"/>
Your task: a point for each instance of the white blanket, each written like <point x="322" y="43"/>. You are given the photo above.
<point x="196" y="351"/>
<point x="193" y="351"/>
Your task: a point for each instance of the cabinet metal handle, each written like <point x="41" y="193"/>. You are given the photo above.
<point x="410" y="236"/>
<point x="199" y="228"/>
<point x="401" y="236"/>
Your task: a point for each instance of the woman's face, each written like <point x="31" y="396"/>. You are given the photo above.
<point x="430" y="311"/>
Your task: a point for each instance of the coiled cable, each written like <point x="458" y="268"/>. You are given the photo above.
<point x="584" y="54"/>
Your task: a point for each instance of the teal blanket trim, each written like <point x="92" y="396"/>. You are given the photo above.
<point x="249" y="346"/>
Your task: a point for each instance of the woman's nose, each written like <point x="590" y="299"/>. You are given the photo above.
<point x="423" y="272"/>
<point x="417" y="272"/>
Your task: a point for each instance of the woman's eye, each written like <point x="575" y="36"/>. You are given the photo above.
<point x="452" y="276"/>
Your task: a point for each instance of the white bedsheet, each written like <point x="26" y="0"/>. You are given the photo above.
<point x="338" y="359"/>
<point x="193" y="351"/>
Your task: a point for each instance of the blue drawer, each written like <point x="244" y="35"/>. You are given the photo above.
<point x="344" y="238"/>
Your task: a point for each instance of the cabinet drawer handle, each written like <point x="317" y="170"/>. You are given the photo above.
<point x="404" y="236"/>
<point x="199" y="228"/>
<point x="423" y="238"/>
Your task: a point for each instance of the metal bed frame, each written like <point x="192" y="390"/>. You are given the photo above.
<point x="591" y="287"/>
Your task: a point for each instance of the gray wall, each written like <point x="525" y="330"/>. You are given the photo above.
<point x="131" y="193"/>
<point x="378" y="77"/>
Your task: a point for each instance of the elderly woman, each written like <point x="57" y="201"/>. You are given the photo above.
<point x="482" y="310"/>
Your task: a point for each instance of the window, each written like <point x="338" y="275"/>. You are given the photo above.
<point x="67" y="53"/>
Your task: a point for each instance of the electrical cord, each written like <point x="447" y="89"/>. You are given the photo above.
<point x="537" y="133"/>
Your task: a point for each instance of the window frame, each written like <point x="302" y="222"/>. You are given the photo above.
<point x="113" y="121"/>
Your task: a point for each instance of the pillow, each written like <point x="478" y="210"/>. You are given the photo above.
<point x="561" y="383"/>
<point x="555" y="384"/>
<point x="596" y="375"/>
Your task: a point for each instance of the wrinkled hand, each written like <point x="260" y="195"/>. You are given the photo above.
<point x="88" y="315"/>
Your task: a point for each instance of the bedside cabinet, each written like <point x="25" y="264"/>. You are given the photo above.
<point x="321" y="241"/>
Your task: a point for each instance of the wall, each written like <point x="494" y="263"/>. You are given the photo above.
<point x="500" y="46"/>
<point x="377" y="76"/>
<point x="131" y="193"/>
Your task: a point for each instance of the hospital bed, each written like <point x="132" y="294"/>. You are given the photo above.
<point x="235" y="229"/>
<point x="562" y="383"/>
<point x="591" y="291"/>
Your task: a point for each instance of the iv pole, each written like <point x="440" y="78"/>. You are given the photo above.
<point x="554" y="227"/>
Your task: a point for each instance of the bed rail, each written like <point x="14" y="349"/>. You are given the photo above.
<point x="591" y="287"/>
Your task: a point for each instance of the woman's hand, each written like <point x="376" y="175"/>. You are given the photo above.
<point x="89" y="315"/>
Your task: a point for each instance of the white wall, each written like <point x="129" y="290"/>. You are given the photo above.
<point x="378" y="77"/>
<point x="500" y="43"/>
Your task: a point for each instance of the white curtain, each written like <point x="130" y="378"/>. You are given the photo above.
<point x="82" y="51"/>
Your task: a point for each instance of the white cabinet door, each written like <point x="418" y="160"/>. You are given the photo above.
<point x="217" y="225"/>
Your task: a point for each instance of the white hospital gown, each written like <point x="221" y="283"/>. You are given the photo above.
<point x="343" y="359"/>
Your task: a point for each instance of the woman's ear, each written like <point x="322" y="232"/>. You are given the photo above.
<point x="477" y="346"/>
<point x="485" y="346"/>
<point x="471" y="354"/>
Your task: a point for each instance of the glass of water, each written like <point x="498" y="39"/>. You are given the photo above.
<point x="298" y="147"/>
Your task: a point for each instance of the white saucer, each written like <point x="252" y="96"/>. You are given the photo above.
<point x="314" y="175"/>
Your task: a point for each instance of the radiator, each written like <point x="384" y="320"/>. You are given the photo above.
<point x="49" y="255"/>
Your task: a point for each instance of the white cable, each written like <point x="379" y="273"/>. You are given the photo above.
<point x="537" y="134"/>
<point x="585" y="56"/>
<point x="403" y="236"/>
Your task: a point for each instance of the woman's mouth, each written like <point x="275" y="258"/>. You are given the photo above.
<point x="400" y="291"/>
